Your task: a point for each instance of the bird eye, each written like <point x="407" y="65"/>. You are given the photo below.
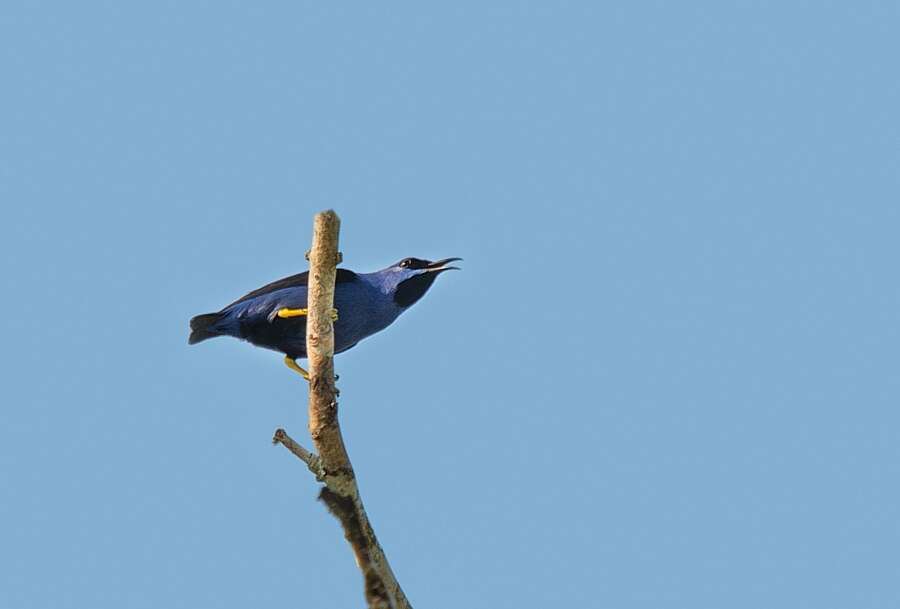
<point x="405" y="264"/>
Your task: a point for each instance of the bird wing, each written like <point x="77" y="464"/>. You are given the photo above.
<point x="294" y="281"/>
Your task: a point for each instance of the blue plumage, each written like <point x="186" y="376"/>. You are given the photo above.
<point x="366" y="303"/>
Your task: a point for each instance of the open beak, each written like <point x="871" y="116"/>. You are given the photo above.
<point x="441" y="265"/>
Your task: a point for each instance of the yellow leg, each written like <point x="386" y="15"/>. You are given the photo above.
<point x="287" y="313"/>
<point x="292" y="364"/>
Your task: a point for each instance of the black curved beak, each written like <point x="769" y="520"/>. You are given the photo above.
<point x="441" y="265"/>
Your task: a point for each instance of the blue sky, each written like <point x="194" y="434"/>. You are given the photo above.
<point x="666" y="377"/>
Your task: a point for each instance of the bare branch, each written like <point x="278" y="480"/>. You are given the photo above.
<point x="345" y="511"/>
<point x="312" y="461"/>
<point x="332" y="465"/>
<point x="323" y="422"/>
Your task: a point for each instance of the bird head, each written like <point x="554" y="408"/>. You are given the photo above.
<point x="409" y="279"/>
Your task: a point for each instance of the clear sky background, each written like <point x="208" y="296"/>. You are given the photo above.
<point x="666" y="377"/>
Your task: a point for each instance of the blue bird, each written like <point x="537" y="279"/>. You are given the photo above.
<point x="274" y="316"/>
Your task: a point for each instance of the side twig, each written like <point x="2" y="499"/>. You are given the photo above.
<point x="312" y="461"/>
<point x="332" y="465"/>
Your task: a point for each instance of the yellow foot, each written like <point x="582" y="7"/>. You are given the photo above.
<point x="287" y="313"/>
<point x="292" y="364"/>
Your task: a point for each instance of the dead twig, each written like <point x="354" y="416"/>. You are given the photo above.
<point x="332" y="463"/>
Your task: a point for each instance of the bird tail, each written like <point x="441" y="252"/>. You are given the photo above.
<point x="201" y="327"/>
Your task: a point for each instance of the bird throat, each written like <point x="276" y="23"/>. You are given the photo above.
<point x="412" y="289"/>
